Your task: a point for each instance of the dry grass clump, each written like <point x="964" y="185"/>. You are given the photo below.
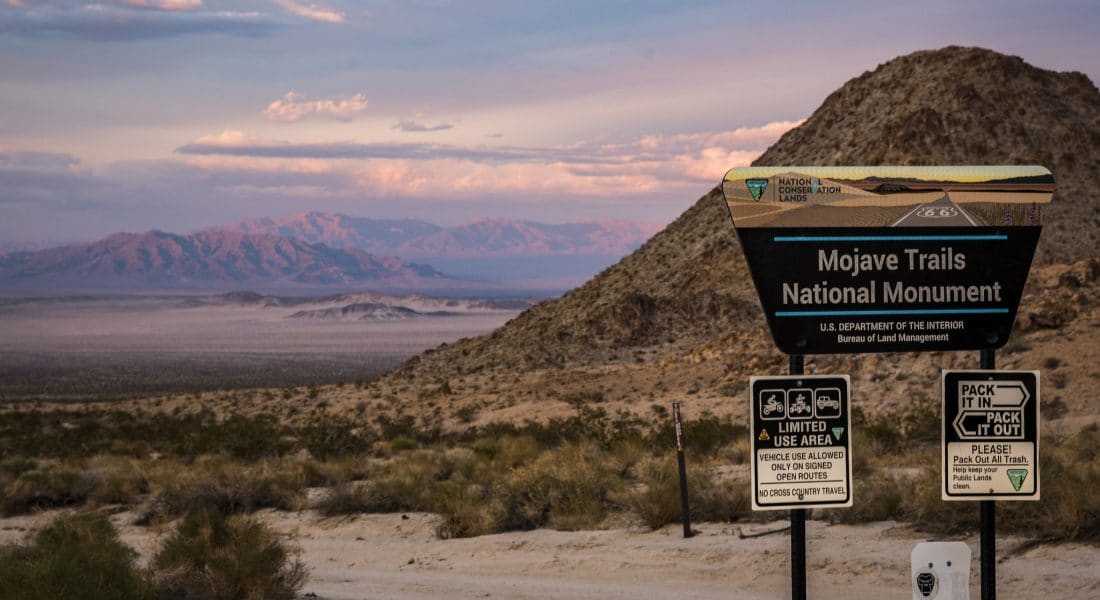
<point x="212" y="555"/>
<point x="215" y="483"/>
<point x="76" y="556"/>
<point x="568" y="488"/>
<point x="656" y="497"/>
<point x="50" y="484"/>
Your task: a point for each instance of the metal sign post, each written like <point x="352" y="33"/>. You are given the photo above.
<point x="988" y="516"/>
<point x="797" y="366"/>
<point x="685" y="513"/>
<point x="990" y="446"/>
<point x="800" y="450"/>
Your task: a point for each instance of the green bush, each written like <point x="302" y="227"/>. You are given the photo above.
<point x="213" y="556"/>
<point x="76" y="557"/>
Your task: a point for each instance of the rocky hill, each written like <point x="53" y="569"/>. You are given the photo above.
<point x="685" y="294"/>
<point x="205" y="260"/>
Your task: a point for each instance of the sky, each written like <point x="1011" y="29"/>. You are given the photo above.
<point x="130" y="115"/>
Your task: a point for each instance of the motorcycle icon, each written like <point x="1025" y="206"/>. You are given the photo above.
<point x="773" y="405"/>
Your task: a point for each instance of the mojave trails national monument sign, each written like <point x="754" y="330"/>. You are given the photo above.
<point x="885" y="259"/>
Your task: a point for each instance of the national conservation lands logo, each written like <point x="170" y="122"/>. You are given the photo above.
<point x="756" y="187"/>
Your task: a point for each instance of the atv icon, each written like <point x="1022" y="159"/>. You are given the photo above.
<point x="798" y="405"/>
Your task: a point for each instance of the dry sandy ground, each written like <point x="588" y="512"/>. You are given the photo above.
<point x="399" y="556"/>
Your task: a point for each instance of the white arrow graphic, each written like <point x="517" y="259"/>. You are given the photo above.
<point x="980" y="400"/>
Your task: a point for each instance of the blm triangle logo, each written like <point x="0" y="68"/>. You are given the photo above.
<point x="1017" y="476"/>
<point x="756" y="187"/>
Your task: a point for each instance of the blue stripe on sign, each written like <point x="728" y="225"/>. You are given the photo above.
<point x="876" y="313"/>
<point x="887" y="238"/>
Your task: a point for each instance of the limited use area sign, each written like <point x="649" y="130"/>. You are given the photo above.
<point x="990" y="435"/>
<point x="888" y="259"/>
<point x="801" y="455"/>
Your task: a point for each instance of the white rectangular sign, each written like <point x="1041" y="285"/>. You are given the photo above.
<point x="800" y="442"/>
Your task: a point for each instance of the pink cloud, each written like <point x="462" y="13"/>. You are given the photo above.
<point x="166" y="5"/>
<point x="293" y="107"/>
<point x="676" y="165"/>
<point x="311" y="11"/>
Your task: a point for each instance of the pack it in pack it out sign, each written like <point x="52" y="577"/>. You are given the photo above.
<point x="990" y="435"/>
<point x="801" y="454"/>
<point x="888" y="259"/>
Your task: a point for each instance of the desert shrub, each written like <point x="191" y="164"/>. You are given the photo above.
<point x="1068" y="509"/>
<point x="345" y="498"/>
<point x="47" y="487"/>
<point x="75" y="556"/>
<point x="215" y="484"/>
<point x="566" y="488"/>
<point x="117" y="480"/>
<point x="876" y="497"/>
<point x="702" y="436"/>
<point x="327" y="436"/>
<point x="464" y="510"/>
<point x="923" y="507"/>
<point x="874" y="436"/>
<point x="725" y="500"/>
<point x="14" y="466"/>
<point x="212" y="556"/>
<point x="405" y="483"/>
<point x="656" y="500"/>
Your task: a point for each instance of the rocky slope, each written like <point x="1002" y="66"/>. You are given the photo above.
<point x="685" y="294"/>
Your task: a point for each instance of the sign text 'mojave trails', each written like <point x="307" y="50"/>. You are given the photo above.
<point x="845" y="291"/>
<point x="885" y="259"/>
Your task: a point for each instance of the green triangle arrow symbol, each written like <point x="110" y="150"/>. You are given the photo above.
<point x="837" y="432"/>
<point x="1017" y="476"/>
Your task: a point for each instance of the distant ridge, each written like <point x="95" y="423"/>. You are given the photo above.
<point x="481" y="238"/>
<point x="205" y="260"/>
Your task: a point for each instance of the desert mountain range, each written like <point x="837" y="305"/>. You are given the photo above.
<point x="206" y="259"/>
<point x="316" y="250"/>
<point x="679" y="316"/>
<point x="411" y="238"/>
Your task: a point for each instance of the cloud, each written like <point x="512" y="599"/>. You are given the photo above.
<point x="293" y="107"/>
<point x="36" y="160"/>
<point x="232" y="173"/>
<point x="410" y="126"/>
<point x="311" y="11"/>
<point x="669" y="165"/>
<point x="694" y="153"/>
<point x="167" y="5"/>
<point x="127" y="20"/>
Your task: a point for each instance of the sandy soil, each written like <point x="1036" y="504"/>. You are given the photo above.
<point x="399" y="556"/>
